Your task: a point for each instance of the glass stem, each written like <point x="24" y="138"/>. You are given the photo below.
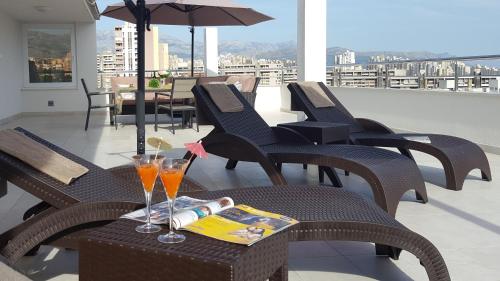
<point x="148" y="208"/>
<point x="171" y="224"/>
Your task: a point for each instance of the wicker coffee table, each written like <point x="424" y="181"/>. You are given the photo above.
<point x="322" y="133"/>
<point x="117" y="252"/>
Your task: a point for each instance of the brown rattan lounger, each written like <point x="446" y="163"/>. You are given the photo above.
<point x="245" y="136"/>
<point x="458" y="156"/>
<point x="95" y="198"/>
<point x="325" y="214"/>
<point x="331" y="214"/>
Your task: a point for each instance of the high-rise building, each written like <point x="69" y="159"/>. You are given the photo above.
<point x="164" y="57"/>
<point x="152" y="49"/>
<point x="347" y="57"/>
<point x="126" y="48"/>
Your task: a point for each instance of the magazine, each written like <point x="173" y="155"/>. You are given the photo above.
<point x="218" y="219"/>
<point x="188" y="210"/>
<point x="421" y="139"/>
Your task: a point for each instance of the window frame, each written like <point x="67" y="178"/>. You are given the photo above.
<point x="50" y="85"/>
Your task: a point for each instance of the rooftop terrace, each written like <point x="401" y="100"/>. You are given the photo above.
<point x="463" y="225"/>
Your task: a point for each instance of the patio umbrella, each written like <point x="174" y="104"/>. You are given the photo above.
<point x="176" y="12"/>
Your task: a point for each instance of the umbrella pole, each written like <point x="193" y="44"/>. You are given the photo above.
<point x="192" y="51"/>
<point x="140" y="114"/>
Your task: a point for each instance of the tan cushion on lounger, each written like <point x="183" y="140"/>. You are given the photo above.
<point x="315" y="94"/>
<point x="40" y="156"/>
<point x="246" y="83"/>
<point x="224" y="98"/>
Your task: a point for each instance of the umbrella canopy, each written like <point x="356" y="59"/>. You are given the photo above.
<point x="191" y="13"/>
<point x="175" y="12"/>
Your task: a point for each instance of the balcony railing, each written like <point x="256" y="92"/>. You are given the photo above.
<point x="451" y="74"/>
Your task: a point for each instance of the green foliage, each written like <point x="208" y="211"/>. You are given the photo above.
<point x="154" y="83"/>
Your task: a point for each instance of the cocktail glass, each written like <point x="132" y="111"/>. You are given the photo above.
<point x="148" y="167"/>
<point x="171" y="175"/>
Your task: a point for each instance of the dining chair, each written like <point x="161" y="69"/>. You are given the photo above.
<point x="181" y="101"/>
<point x="112" y="106"/>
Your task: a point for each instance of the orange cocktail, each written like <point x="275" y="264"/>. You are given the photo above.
<point x="148" y="167"/>
<point x="171" y="175"/>
<point x="148" y="173"/>
<point x="171" y="180"/>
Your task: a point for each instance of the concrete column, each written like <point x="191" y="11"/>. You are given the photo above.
<point x="311" y="40"/>
<point x="211" y="51"/>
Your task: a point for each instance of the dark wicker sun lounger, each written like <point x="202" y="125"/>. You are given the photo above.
<point x="458" y="156"/>
<point x="96" y="198"/>
<point x="245" y="136"/>
<point x="335" y="214"/>
<point x="332" y="214"/>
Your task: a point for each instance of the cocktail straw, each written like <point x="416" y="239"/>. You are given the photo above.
<point x="158" y="149"/>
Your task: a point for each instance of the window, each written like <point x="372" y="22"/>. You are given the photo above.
<point x="49" y="56"/>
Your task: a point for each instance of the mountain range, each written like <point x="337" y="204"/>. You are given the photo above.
<point x="281" y="50"/>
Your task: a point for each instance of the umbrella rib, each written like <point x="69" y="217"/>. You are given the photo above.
<point x="110" y="11"/>
<point x="231" y="15"/>
<point x="157" y="7"/>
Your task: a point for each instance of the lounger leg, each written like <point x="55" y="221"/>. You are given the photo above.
<point x="321" y="175"/>
<point x="273" y="173"/>
<point x="231" y="164"/>
<point x="485" y="177"/>
<point x="383" y="250"/>
<point x="332" y="175"/>
<point x="406" y="153"/>
<point x="3" y="187"/>
<point x="35" y="210"/>
<point x="279" y="166"/>
<point x="281" y="274"/>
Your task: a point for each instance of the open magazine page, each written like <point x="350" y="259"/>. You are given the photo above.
<point x="241" y="224"/>
<point x="187" y="211"/>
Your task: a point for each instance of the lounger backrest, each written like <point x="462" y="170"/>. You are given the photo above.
<point x="247" y="123"/>
<point x="337" y="114"/>
<point x="97" y="185"/>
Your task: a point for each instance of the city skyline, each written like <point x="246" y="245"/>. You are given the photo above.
<point x="442" y="23"/>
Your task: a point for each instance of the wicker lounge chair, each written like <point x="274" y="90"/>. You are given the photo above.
<point x="95" y="198"/>
<point x="327" y="214"/>
<point x="245" y="136"/>
<point x="331" y="214"/>
<point x="458" y="156"/>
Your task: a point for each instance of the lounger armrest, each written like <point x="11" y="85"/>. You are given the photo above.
<point x="233" y="147"/>
<point x="290" y="136"/>
<point x="374" y="126"/>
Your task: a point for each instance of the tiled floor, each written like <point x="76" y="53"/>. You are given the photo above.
<point x="465" y="225"/>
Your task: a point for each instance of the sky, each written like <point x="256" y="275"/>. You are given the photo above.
<point x="457" y="27"/>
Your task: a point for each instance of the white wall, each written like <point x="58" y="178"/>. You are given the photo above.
<point x="473" y="116"/>
<point x="69" y="100"/>
<point x="11" y="72"/>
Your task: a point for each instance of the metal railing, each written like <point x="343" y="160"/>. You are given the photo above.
<point x="445" y="73"/>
